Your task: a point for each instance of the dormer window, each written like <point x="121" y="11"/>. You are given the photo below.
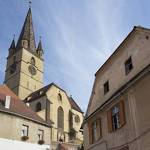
<point x="38" y="107"/>
<point x="128" y="65"/>
<point x="106" y="87"/>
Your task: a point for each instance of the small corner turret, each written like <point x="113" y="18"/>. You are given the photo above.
<point x="39" y="50"/>
<point x="12" y="47"/>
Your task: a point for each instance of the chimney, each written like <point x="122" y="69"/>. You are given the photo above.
<point x="7" y="102"/>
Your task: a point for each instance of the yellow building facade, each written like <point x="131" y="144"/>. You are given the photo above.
<point x="54" y="105"/>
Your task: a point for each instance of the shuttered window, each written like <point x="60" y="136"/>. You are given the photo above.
<point x="95" y="132"/>
<point x="116" y="117"/>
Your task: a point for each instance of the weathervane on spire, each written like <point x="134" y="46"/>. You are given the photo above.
<point x="30" y="3"/>
<point x="14" y="36"/>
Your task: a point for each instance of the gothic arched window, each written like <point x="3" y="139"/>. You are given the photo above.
<point x="38" y="107"/>
<point x="33" y="61"/>
<point x="60" y="118"/>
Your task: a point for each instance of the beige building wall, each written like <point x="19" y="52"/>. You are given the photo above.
<point x="11" y="127"/>
<point x="136" y="46"/>
<point x="136" y="132"/>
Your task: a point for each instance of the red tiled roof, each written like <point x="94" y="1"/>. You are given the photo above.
<point x="17" y="106"/>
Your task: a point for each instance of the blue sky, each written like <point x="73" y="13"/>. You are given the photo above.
<point x="78" y="36"/>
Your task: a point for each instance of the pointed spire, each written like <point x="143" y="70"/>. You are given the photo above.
<point x="27" y="38"/>
<point x="40" y="48"/>
<point x="13" y="45"/>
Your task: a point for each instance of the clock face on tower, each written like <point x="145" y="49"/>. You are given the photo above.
<point x="32" y="70"/>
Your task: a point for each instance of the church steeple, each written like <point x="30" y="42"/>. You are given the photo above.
<point x="24" y="69"/>
<point x="27" y="38"/>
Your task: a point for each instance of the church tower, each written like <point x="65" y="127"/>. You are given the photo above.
<point x="24" y="70"/>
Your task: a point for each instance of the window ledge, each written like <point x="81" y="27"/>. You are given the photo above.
<point x="24" y="138"/>
<point x="41" y="142"/>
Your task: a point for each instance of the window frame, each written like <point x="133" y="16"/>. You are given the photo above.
<point x="41" y="133"/>
<point x="122" y="116"/>
<point x="98" y="131"/>
<point x="60" y="118"/>
<point x="115" y="115"/>
<point x="38" y="106"/>
<point x="128" y="63"/>
<point x="106" y="87"/>
<point x="27" y="130"/>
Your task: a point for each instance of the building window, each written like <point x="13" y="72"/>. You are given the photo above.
<point x="60" y="118"/>
<point x="38" y="107"/>
<point x="116" y="117"/>
<point x="60" y="136"/>
<point x="41" y="134"/>
<point x="77" y="119"/>
<point x="128" y="65"/>
<point x="59" y="97"/>
<point x="106" y="87"/>
<point x="24" y="132"/>
<point x="95" y="132"/>
<point x="33" y="61"/>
